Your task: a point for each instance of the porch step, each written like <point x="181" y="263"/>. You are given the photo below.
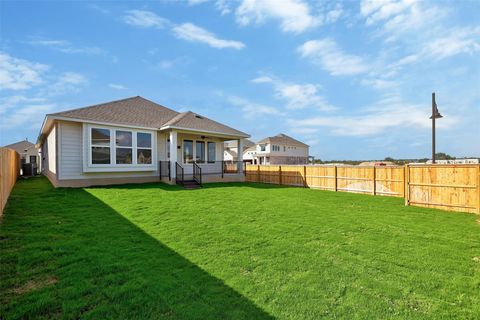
<point x="191" y="184"/>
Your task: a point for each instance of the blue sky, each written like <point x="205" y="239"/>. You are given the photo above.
<point x="351" y="78"/>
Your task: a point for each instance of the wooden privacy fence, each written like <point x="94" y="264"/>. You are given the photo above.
<point x="448" y="187"/>
<point x="9" y="172"/>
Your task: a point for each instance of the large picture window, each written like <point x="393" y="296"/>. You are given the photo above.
<point x="200" y="151"/>
<point x="120" y="148"/>
<point x="144" y="148"/>
<point x="187" y="151"/>
<point x="123" y="147"/>
<point x="211" y="152"/>
<point x="100" y="145"/>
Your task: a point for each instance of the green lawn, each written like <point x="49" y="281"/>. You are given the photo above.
<point x="232" y="251"/>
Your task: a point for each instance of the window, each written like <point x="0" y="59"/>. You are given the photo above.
<point x="120" y="148"/>
<point x="284" y="149"/>
<point x="262" y="147"/>
<point x="123" y="147"/>
<point x="100" y="142"/>
<point x="188" y="151"/>
<point x="33" y="159"/>
<point x="211" y="152"/>
<point x="144" y="148"/>
<point x="200" y="151"/>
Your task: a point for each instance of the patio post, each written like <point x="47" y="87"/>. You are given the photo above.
<point x="173" y="153"/>
<point x="240" y="156"/>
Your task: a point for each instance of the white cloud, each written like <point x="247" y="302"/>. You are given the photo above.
<point x="66" y="47"/>
<point x="223" y="6"/>
<point x="294" y="15"/>
<point x="193" y="33"/>
<point x="143" y="18"/>
<point x="195" y="2"/>
<point x="117" y="86"/>
<point x="251" y="109"/>
<point x="27" y="117"/>
<point x="297" y="96"/>
<point x="19" y="74"/>
<point x="387" y="114"/>
<point x="330" y="57"/>
<point x="399" y="17"/>
<point x="457" y="41"/>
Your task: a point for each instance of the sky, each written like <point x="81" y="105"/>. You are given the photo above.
<point x="353" y="79"/>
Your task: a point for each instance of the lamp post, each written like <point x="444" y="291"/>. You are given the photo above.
<point x="435" y="115"/>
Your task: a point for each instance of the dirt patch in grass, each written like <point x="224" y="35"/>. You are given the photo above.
<point x="32" y="285"/>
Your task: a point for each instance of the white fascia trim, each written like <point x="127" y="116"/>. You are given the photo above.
<point x="218" y="134"/>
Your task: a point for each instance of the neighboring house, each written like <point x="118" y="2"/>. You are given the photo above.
<point x="231" y="149"/>
<point x="132" y="140"/>
<point x="27" y="151"/>
<point x="279" y="149"/>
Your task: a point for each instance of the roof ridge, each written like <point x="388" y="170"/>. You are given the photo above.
<point x="175" y="119"/>
<point x="93" y="105"/>
<point x="110" y="102"/>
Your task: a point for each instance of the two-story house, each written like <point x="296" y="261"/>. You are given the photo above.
<point x="279" y="149"/>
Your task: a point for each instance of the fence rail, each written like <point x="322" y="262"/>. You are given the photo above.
<point x="9" y="172"/>
<point x="448" y="187"/>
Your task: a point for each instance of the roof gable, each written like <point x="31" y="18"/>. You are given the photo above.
<point x="20" y="146"/>
<point x="282" y="139"/>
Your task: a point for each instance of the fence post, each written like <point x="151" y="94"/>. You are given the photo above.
<point x="305" y="177"/>
<point x="335" y="177"/>
<point x="279" y="175"/>
<point x="374" y="181"/>
<point x="478" y="189"/>
<point x="406" y="185"/>
<point x="258" y="173"/>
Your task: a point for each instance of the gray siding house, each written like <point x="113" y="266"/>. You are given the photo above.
<point x="133" y="140"/>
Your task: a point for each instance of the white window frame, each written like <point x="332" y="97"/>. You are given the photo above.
<point x="132" y="147"/>
<point x="88" y="166"/>
<point x="136" y="147"/>
<point x="194" y="153"/>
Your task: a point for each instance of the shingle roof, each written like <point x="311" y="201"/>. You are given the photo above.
<point x="190" y="120"/>
<point x="282" y="139"/>
<point x="21" y="146"/>
<point x="138" y="111"/>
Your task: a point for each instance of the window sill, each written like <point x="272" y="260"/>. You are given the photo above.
<point x="120" y="168"/>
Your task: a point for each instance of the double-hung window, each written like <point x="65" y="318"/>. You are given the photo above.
<point x="187" y="151"/>
<point x="119" y="148"/>
<point x="200" y="151"/>
<point x="144" y="148"/>
<point x="123" y="147"/>
<point x="211" y="152"/>
<point x="100" y="146"/>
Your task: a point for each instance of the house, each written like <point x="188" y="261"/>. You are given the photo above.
<point x="133" y="140"/>
<point x="27" y="151"/>
<point x="279" y="149"/>
<point x="231" y="149"/>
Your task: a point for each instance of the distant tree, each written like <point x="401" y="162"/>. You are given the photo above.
<point x="389" y="159"/>
<point x="443" y="156"/>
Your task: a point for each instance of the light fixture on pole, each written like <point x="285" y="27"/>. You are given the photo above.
<point x="435" y="115"/>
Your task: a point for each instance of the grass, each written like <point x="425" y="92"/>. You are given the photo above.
<point x="232" y="251"/>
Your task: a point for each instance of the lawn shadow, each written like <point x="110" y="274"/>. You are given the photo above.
<point x="107" y="267"/>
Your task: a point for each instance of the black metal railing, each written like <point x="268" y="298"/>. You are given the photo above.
<point x="179" y="175"/>
<point x="197" y="173"/>
<point x="164" y="170"/>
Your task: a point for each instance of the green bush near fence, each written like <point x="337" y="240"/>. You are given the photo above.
<point x="232" y="251"/>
